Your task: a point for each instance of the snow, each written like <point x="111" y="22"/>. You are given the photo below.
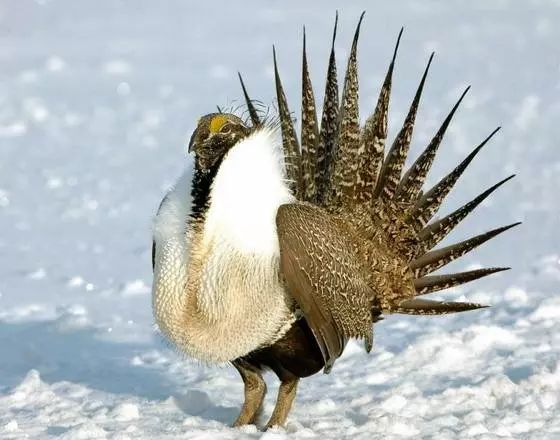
<point x="97" y="103"/>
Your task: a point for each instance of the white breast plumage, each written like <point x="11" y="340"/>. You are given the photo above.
<point x="217" y="294"/>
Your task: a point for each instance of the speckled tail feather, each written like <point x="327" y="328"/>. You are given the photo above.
<point x="339" y="165"/>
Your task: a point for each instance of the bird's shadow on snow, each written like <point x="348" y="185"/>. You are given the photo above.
<point x="78" y="355"/>
<point x="198" y="403"/>
<point x="82" y="356"/>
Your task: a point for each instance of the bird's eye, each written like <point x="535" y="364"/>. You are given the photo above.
<point x="226" y="129"/>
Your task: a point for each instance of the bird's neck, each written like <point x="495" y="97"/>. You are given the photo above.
<point x="200" y="190"/>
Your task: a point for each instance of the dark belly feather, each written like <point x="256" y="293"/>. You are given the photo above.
<point x="295" y="354"/>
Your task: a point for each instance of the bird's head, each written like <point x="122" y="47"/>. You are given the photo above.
<point x="214" y="135"/>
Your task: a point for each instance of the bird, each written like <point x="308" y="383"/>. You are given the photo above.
<point x="274" y="251"/>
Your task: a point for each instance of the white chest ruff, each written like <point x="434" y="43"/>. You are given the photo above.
<point x="217" y="294"/>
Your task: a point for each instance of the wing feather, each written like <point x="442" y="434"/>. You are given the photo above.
<point x="322" y="272"/>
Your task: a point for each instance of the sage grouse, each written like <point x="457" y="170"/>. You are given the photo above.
<point x="280" y="250"/>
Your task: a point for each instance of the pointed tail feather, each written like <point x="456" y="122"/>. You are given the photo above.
<point x="390" y="174"/>
<point x="438" y="258"/>
<point x="420" y="306"/>
<point x="411" y="184"/>
<point x="341" y="167"/>
<point x="345" y="166"/>
<point x="309" y="132"/>
<point x="329" y="128"/>
<point x="250" y="106"/>
<point x="433" y="283"/>
<point x="289" y="138"/>
<point x="430" y="202"/>
<point x="433" y="233"/>
<point x="374" y="135"/>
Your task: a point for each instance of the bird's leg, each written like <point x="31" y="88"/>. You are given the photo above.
<point x="255" y="389"/>
<point x="286" y="395"/>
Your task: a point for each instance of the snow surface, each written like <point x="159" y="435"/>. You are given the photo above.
<point x="97" y="100"/>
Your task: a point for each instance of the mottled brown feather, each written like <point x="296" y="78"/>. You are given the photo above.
<point x="373" y="138"/>
<point x="433" y="233"/>
<point x="430" y="202"/>
<point x="346" y="160"/>
<point x="391" y="170"/>
<point x="362" y="247"/>
<point x="289" y="137"/>
<point x="411" y="183"/>
<point x="434" y="283"/>
<point x="250" y="106"/>
<point x="421" y="306"/>
<point x="436" y="259"/>
<point x="323" y="274"/>
<point x="329" y="128"/>
<point x="309" y="133"/>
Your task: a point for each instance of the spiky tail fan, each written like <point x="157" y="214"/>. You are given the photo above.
<point x="340" y="165"/>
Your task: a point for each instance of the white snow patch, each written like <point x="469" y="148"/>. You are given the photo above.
<point x="54" y="182"/>
<point x="85" y="431"/>
<point x="136" y="287"/>
<point x="482" y="338"/>
<point x="125" y="412"/>
<point x="76" y="281"/>
<point x="220" y="71"/>
<point x="38" y="274"/>
<point x="477" y="429"/>
<point x="15" y="129"/>
<point x="55" y="64"/>
<point x="528" y="112"/>
<point x="404" y="429"/>
<point x="29" y="76"/>
<point x="72" y="317"/>
<point x="4" y="198"/>
<point x="549" y="309"/>
<point x="516" y="297"/>
<point x="35" y="110"/>
<point x="394" y="404"/>
<point x="30" y="386"/>
<point x="377" y="378"/>
<point x="117" y="67"/>
<point x="123" y="88"/>
<point x="11" y="426"/>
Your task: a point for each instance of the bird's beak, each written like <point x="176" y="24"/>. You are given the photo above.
<point x="191" y="142"/>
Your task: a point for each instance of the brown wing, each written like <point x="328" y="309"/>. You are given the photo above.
<point x="319" y="264"/>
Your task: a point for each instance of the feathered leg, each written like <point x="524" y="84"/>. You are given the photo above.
<point x="286" y="396"/>
<point x="255" y="390"/>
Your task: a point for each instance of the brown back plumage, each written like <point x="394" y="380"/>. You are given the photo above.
<point x="341" y="168"/>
